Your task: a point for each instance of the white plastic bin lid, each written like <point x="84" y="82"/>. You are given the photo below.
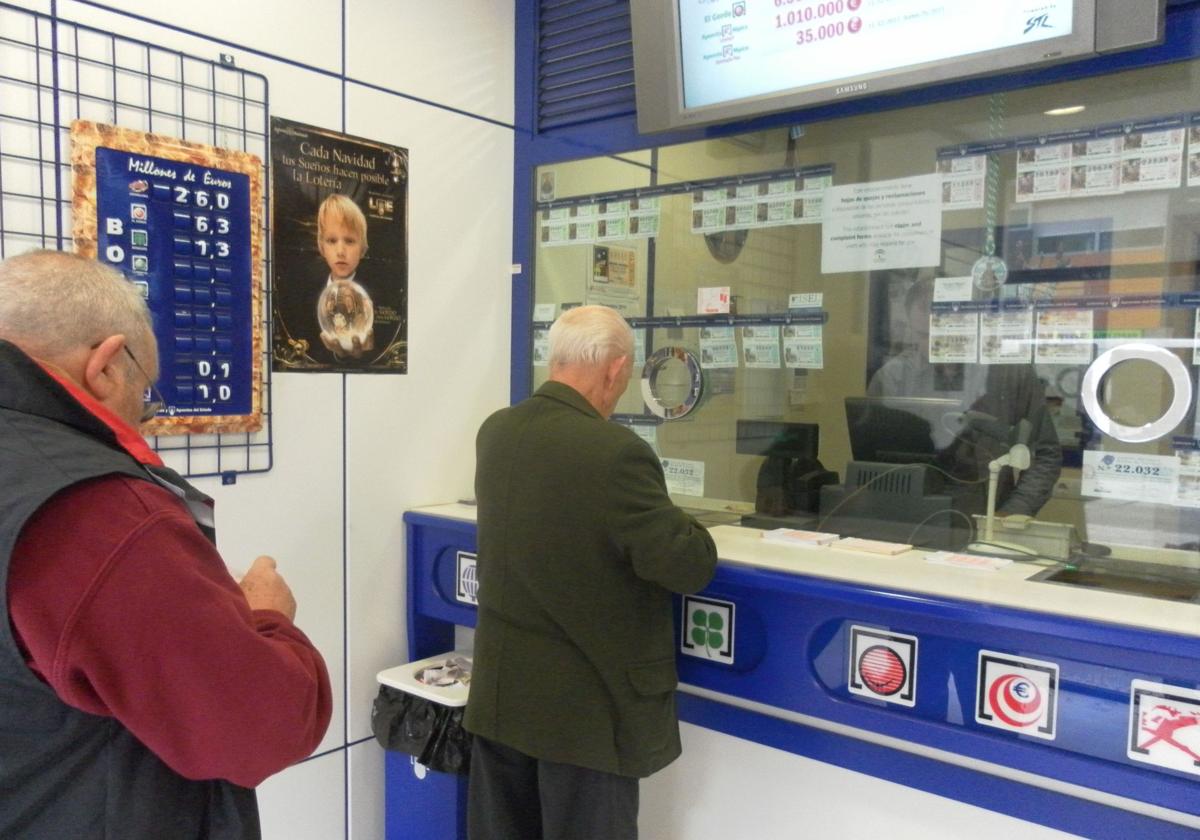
<point x="404" y="678"/>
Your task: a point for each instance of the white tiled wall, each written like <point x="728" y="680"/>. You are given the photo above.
<point x="456" y="54"/>
<point x="351" y="453"/>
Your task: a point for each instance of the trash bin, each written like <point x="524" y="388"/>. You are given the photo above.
<point x="419" y="723"/>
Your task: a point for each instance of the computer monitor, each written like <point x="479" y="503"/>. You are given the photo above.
<point x="777" y="439"/>
<point x="904" y="503"/>
<point x="790" y="477"/>
<point x="894" y="489"/>
<point x="901" y="430"/>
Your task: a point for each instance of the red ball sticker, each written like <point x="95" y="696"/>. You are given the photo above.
<point x="882" y="670"/>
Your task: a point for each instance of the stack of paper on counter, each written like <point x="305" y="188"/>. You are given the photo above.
<point x="789" y="536"/>
<point x="873" y="546"/>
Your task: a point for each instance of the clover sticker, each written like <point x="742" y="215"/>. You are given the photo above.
<point x="707" y="630"/>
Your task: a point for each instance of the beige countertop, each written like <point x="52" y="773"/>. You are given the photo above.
<point x="911" y="572"/>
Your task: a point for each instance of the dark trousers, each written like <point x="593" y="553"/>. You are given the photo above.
<point x="515" y="797"/>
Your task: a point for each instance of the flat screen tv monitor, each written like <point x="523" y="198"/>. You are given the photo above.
<point x="777" y="439"/>
<point x="901" y="430"/>
<point x="703" y="61"/>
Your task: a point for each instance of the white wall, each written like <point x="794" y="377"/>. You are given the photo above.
<point x="727" y="787"/>
<point x="438" y="80"/>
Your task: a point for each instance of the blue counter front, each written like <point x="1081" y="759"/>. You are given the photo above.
<point x="1076" y="709"/>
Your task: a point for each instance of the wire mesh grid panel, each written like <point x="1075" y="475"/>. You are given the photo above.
<point x="52" y="72"/>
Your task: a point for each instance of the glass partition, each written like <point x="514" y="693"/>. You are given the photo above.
<point x="889" y="324"/>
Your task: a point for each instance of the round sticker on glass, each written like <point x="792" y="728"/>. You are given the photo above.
<point x="989" y="273"/>
<point x="672" y="382"/>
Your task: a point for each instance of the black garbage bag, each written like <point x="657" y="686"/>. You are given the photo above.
<point x="429" y="731"/>
<point x="450" y="749"/>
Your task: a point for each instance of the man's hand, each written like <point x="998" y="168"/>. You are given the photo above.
<point x="265" y="588"/>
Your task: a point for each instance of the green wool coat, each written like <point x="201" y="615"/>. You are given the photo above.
<point x="580" y="549"/>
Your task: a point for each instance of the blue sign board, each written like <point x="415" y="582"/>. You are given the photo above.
<point x="182" y="233"/>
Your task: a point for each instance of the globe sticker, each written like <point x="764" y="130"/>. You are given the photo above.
<point x="708" y="626"/>
<point x="1020" y="695"/>
<point x="883" y="665"/>
<point x="989" y="273"/>
<point x="467" y="589"/>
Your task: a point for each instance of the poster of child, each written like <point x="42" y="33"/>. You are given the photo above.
<point x="340" y="244"/>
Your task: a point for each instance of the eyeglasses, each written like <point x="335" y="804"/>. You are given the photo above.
<point x="152" y="400"/>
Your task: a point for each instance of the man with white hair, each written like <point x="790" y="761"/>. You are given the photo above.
<point x="573" y="691"/>
<point x="143" y="692"/>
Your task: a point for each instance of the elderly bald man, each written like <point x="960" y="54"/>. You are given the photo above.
<point x="143" y="691"/>
<point x="573" y="692"/>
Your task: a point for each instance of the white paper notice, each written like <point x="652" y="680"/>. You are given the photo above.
<point x="967" y="561"/>
<point x="1006" y="337"/>
<point x="1127" y="475"/>
<point x="608" y="230"/>
<point x="1157" y="171"/>
<point x="1040" y="155"/>
<point x="1188" y="492"/>
<point x="712" y="300"/>
<point x="581" y="232"/>
<point x="647" y="432"/>
<point x="1096" y="166"/>
<point x="606" y="221"/>
<point x="806" y="300"/>
<point x="1099" y="178"/>
<point x="883" y="224"/>
<point x="639" y="348"/>
<point x="963" y="181"/>
<point x="803" y="346"/>
<point x="554" y="233"/>
<point x="953" y="337"/>
<point x="795" y="200"/>
<point x="1193" y="158"/>
<point x="952" y="288"/>
<point x="1042" y="182"/>
<point x="1064" y="337"/>
<point x="708" y="219"/>
<point x="1196" y="341"/>
<point x="718" y="348"/>
<point x="544" y="311"/>
<point x="1152" y="160"/>
<point x="541" y="348"/>
<point x="643" y="227"/>
<point x="1084" y="151"/>
<point x="613" y="209"/>
<point x="684" y="478"/>
<point x="760" y="347"/>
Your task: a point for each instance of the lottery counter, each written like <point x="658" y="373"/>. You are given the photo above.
<point x="1062" y="705"/>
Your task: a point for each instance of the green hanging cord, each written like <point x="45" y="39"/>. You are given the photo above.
<point x="996" y="105"/>
<point x="989" y="271"/>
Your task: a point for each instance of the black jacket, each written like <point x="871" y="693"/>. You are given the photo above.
<point x="65" y="773"/>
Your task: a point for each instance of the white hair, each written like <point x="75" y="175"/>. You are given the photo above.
<point x="53" y="302"/>
<point x="589" y="335"/>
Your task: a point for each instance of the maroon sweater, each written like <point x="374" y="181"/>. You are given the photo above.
<point x="125" y="609"/>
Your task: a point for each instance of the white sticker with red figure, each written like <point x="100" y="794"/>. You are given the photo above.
<point x="1164" y="726"/>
